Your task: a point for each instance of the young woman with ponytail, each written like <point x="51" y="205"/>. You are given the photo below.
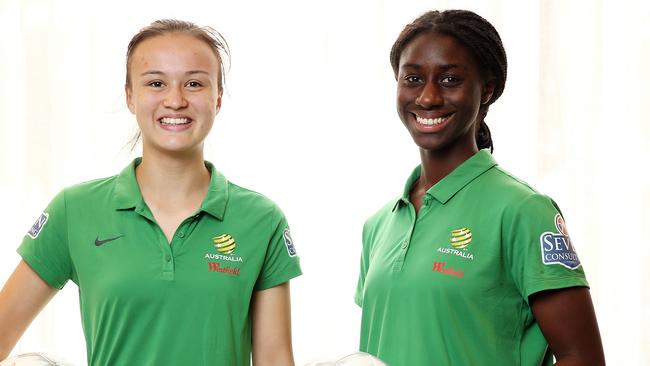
<point x="175" y="265"/>
<point x="469" y="265"/>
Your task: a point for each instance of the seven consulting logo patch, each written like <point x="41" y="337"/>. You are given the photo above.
<point x="288" y="242"/>
<point x="557" y="247"/>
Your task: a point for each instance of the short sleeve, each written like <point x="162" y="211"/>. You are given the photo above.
<point x="45" y="246"/>
<point x="363" y="270"/>
<point x="281" y="262"/>
<point x="538" y="248"/>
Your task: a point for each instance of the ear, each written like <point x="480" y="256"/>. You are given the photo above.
<point x="487" y="91"/>
<point x="218" y="103"/>
<point x="129" y="98"/>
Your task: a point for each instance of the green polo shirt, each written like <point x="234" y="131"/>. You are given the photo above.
<point x="145" y="301"/>
<point x="450" y="285"/>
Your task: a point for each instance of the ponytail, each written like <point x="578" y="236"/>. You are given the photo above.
<point x="481" y="39"/>
<point x="483" y="137"/>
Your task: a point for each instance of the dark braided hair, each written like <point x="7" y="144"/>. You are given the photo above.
<point x="482" y="40"/>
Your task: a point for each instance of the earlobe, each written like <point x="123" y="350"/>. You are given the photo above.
<point x="487" y="92"/>
<point x="129" y="99"/>
<point x="218" y="104"/>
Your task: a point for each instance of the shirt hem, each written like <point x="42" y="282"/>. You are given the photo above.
<point x="556" y="284"/>
<point x="40" y="268"/>
<point x="286" y="276"/>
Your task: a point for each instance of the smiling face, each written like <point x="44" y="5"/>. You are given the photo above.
<point x="439" y="93"/>
<point x="174" y="92"/>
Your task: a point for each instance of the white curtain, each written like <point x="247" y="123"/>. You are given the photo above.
<point x="309" y="120"/>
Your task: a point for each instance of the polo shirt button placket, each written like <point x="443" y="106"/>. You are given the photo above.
<point x="168" y="267"/>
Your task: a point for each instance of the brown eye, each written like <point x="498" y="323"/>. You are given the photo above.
<point x="156" y="84"/>
<point x="450" y="81"/>
<point x="412" y="79"/>
<point x="194" y="84"/>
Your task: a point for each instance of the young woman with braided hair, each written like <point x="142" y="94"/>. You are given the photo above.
<point x="469" y="266"/>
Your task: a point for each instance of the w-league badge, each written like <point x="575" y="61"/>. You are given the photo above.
<point x="38" y="225"/>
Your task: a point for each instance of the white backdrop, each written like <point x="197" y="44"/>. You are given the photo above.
<point x="309" y="120"/>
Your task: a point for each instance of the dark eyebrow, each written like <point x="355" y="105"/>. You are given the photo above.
<point x="412" y="66"/>
<point x="191" y="72"/>
<point x="443" y="67"/>
<point x="452" y="66"/>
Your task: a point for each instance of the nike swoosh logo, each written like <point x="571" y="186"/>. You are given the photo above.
<point x="102" y="242"/>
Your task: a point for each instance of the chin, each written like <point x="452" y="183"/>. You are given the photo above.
<point x="175" y="148"/>
<point x="427" y="142"/>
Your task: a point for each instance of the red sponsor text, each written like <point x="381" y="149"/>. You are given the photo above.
<point x="216" y="267"/>
<point x="440" y="267"/>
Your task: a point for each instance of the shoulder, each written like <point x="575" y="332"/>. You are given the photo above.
<point x="251" y="201"/>
<point x="515" y="199"/>
<point x="385" y="211"/>
<point x="90" y="190"/>
<point x="81" y="201"/>
<point x="505" y="190"/>
<point x="500" y="181"/>
<point x="377" y="220"/>
<point x="85" y="192"/>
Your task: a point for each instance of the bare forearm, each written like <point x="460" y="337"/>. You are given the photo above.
<point x="271" y="318"/>
<point x="4" y="352"/>
<point x="10" y="330"/>
<point x="21" y="299"/>
<point x="274" y="360"/>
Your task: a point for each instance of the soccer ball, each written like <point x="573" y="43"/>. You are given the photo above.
<point x="355" y="359"/>
<point x="34" y="359"/>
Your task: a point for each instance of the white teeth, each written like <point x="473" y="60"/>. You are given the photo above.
<point x="175" y="121"/>
<point x="431" y="121"/>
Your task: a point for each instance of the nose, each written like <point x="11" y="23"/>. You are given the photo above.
<point x="430" y="96"/>
<point x="175" y="98"/>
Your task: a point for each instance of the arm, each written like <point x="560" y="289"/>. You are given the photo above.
<point x="271" y="318"/>
<point x="568" y="322"/>
<point x="21" y="299"/>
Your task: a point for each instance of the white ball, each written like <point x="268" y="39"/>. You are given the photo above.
<point x="34" y="359"/>
<point x="360" y="359"/>
<point x="355" y="359"/>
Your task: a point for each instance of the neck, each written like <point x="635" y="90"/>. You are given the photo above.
<point x="438" y="164"/>
<point x="172" y="178"/>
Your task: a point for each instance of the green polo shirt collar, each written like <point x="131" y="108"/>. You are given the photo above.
<point x="216" y="200"/>
<point x="127" y="192"/>
<point x="446" y="188"/>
